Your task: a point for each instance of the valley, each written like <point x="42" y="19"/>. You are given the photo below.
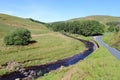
<point x="51" y="46"/>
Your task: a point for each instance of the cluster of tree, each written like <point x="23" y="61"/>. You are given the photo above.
<point x="19" y="36"/>
<point x="33" y="20"/>
<point x="113" y="26"/>
<point x="86" y="28"/>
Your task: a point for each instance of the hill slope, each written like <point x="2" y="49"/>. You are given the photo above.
<point x="8" y="22"/>
<point x="112" y="39"/>
<point x="49" y="47"/>
<point x="100" y="18"/>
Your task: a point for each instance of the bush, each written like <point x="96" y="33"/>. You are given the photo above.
<point x="19" y="36"/>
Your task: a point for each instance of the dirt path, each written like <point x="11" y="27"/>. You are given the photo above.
<point x="68" y="74"/>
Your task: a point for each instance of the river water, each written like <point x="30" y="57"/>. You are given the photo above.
<point x="46" y="68"/>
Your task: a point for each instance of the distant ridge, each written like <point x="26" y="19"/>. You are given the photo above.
<point x="101" y="18"/>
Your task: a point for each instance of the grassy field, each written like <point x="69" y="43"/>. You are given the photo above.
<point x="100" y="65"/>
<point x="113" y="39"/>
<point x="50" y="46"/>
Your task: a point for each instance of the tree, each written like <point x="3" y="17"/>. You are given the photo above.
<point x="91" y="27"/>
<point x="117" y="29"/>
<point x="19" y="36"/>
<point x="86" y="28"/>
<point x="113" y="26"/>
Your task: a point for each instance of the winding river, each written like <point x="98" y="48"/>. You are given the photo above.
<point x="46" y="68"/>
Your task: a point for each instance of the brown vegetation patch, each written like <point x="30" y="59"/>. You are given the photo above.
<point x="68" y="74"/>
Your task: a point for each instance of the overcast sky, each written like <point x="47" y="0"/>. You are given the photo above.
<point x="59" y="10"/>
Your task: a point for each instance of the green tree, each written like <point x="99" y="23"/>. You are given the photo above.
<point x="86" y="28"/>
<point x="113" y="26"/>
<point x="19" y="36"/>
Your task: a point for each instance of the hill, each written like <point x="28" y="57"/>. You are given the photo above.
<point x="49" y="47"/>
<point x="52" y="46"/>
<point x="112" y="39"/>
<point x="8" y="22"/>
<point x="73" y="26"/>
<point x="101" y="18"/>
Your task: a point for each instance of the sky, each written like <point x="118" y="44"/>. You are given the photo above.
<point x="59" y="10"/>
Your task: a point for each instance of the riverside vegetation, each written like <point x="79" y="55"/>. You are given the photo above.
<point x="99" y="65"/>
<point x="52" y="46"/>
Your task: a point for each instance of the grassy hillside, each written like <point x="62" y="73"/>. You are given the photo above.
<point x="100" y="18"/>
<point x="100" y="65"/>
<point x="8" y="22"/>
<point x="113" y="39"/>
<point x="50" y="46"/>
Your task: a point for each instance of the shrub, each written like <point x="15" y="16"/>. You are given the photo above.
<point x="19" y="36"/>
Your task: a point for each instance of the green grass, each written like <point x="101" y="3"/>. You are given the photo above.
<point x="49" y="48"/>
<point x="113" y="39"/>
<point x="3" y="30"/>
<point x="8" y="22"/>
<point x="107" y="38"/>
<point x="100" y="65"/>
<point x="3" y="71"/>
<point x="53" y="46"/>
